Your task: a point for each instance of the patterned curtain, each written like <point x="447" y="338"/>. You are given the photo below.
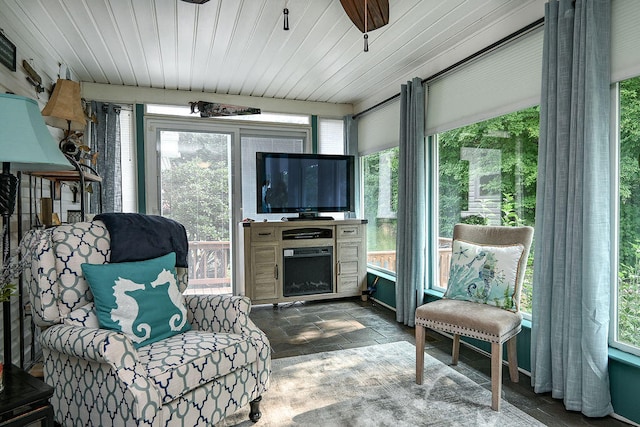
<point x="570" y="314"/>
<point x="105" y="140"/>
<point x="411" y="237"/>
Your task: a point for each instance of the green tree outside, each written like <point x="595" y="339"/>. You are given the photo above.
<point x="195" y="190"/>
<point x="515" y="136"/>
<point x="628" y="297"/>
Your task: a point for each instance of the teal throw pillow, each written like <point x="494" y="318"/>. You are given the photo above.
<point x="140" y="299"/>
<point x="485" y="274"/>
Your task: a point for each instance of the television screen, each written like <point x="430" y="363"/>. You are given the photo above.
<point x="304" y="183"/>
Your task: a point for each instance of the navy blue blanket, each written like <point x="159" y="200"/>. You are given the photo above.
<point x="137" y="237"/>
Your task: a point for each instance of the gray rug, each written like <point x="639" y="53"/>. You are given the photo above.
<point x="375" y="386"/>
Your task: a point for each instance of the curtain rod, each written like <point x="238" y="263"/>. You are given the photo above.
<point x="469" y="58"/>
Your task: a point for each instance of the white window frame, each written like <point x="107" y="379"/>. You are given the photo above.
<point x="615" y="215"/>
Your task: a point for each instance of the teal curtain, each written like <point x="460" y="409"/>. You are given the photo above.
<point x="410" y="243"/>
<point x="571" y="282"/>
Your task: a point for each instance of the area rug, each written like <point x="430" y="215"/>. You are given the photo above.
<point x="375" y="386"/>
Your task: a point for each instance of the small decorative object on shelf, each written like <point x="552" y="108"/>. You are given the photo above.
<point x="74" y="216"/>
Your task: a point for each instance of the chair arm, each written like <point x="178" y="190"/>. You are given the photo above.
<point x="113" y="349"/>
<point x="218" y="313"/>
<point x="96" y="345"/>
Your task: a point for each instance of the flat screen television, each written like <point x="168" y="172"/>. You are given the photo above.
<point x="306" y="184"/>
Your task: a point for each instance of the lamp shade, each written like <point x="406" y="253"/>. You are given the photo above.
<point x="64" y="109"/>
<point x="25" y="140"/>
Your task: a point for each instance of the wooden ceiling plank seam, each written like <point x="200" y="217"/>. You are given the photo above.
<point x="147" y="36"/>
<point x="276" y="57"/>
<point x="261" y="35"/>
<point x="342" y="56"/>
<point x="249" y="54"/>
<point x="284" y="75"/>
<point x="124" y="21"/>
<point x="187" y="19"/>
<point x="102" y="29"/>
<point x="445" y="57"/>
<point x="124" y="61"/>
<point x="393" y="58"/>
<point x="397" y="63"/>
<point x="35" y="13"/>
<point x="166" y="22"/>
<point x="265" y="22"/>
<point x="219" y="88"/>
<point x="281" y="56"/>
<point x="276" y="37"/>
<point x="79" y="43"/>
<point x="43" y="61"/>
<point x="381" y="43"/>
<point x="333" y="32"/>
<point x="199" y="56"/>
<point x="275" y="34"/>
<point x="221" y="40"/>
<point x="242" y="43"/>
<point x="203" y="72"/>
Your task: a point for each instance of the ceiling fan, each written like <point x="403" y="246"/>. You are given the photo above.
<point x="196" y="1"/>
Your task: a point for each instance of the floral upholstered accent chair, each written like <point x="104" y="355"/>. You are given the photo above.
<point x="178" y="360"/>
<point x="482" y="299"/>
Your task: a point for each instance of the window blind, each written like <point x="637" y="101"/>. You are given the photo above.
<point x="379" y="129"/>
<point x="499" y="82"/>
<point x="625" y="33"/>
<point x="330" y="136"/>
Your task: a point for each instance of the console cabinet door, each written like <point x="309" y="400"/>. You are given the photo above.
<point x="350" y="256"/>
<point x="266" y="272"/>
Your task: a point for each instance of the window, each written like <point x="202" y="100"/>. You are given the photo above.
<point x="251" y="144"/>
<point x="195" y="184"/>
<point x="128" y="161"/>
<point x="487" y="175"/>
<point x="627" y="292"/>
<point x="380" y="181"/>
<point x="330" y="136"/>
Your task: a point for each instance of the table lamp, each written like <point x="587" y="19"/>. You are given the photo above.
<point x="26" y="145"/>
<point x="64" y="110"/>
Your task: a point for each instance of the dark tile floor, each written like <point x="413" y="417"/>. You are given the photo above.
<point x="313" y="327"/>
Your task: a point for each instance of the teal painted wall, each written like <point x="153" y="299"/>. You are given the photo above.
<point x="624" y="369"/>
<point x="624" y="376"/>
<point x="385" y="289"/>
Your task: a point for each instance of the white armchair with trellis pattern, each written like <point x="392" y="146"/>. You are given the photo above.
<point x="101" y="377"/>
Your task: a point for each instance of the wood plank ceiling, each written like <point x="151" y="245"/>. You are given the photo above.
<point x="239" y="47"/>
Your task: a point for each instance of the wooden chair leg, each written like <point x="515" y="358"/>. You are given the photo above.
<point x="496" y="375"/>
<point x="419" y="353"/>
<point x="512" y="356"/>
<point x="455" y="352"/>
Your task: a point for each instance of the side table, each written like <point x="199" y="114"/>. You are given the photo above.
<point x="25" y="399"/>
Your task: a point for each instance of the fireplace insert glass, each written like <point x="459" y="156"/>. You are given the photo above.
<point x="308" y="271"/>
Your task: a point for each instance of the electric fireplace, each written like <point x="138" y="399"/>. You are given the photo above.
<point x="307" y="271"/>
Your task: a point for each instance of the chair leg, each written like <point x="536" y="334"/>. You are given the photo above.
<point x="512" y="356"/>
<point x="455" y="351"/>
<point x="419" y="353"/>
<point x="254" y="411"/>
<point x="496" y="375"/>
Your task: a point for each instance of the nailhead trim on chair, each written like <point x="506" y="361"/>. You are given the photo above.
<point x="468" y="332"/>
